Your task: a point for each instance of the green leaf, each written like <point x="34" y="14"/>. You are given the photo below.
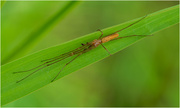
<point x="12" y="90"/>
<point x="28" y="43"/>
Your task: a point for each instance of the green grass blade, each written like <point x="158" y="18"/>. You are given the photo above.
<point x="12" y="90"/>
<point x="37" y="35"/>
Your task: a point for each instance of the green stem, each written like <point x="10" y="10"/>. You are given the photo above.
<point x="31" y="40"/>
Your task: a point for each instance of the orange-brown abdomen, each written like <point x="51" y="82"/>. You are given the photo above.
<point x="110" y="37"/>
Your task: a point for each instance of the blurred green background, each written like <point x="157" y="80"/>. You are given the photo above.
<point x="144" y="74"/>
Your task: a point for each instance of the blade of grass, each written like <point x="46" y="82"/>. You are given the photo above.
<point x="12" y="90"/>
<point x="31" y="40"/>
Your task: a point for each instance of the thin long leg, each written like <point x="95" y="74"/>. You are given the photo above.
<point x="70" y="52"/>
<point x="131" y="24"/>
<point x="36" y="71"/>
<point x="105" y="49"/>
<point x="46" y="63"/>
<point x="101" y="34"/>
<point x="65" y="66"/>
<point x="30" y="69"/>
<point x="130" y="36"/>
<point x="30" y="74"/>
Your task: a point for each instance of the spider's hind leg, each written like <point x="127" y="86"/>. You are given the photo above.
<point x="101" y="33"/>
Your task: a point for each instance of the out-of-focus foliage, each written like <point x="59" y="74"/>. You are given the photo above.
<point x="2" y="2"/>
<point x="24" y="46"/>
<point x="145" y="74"/>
